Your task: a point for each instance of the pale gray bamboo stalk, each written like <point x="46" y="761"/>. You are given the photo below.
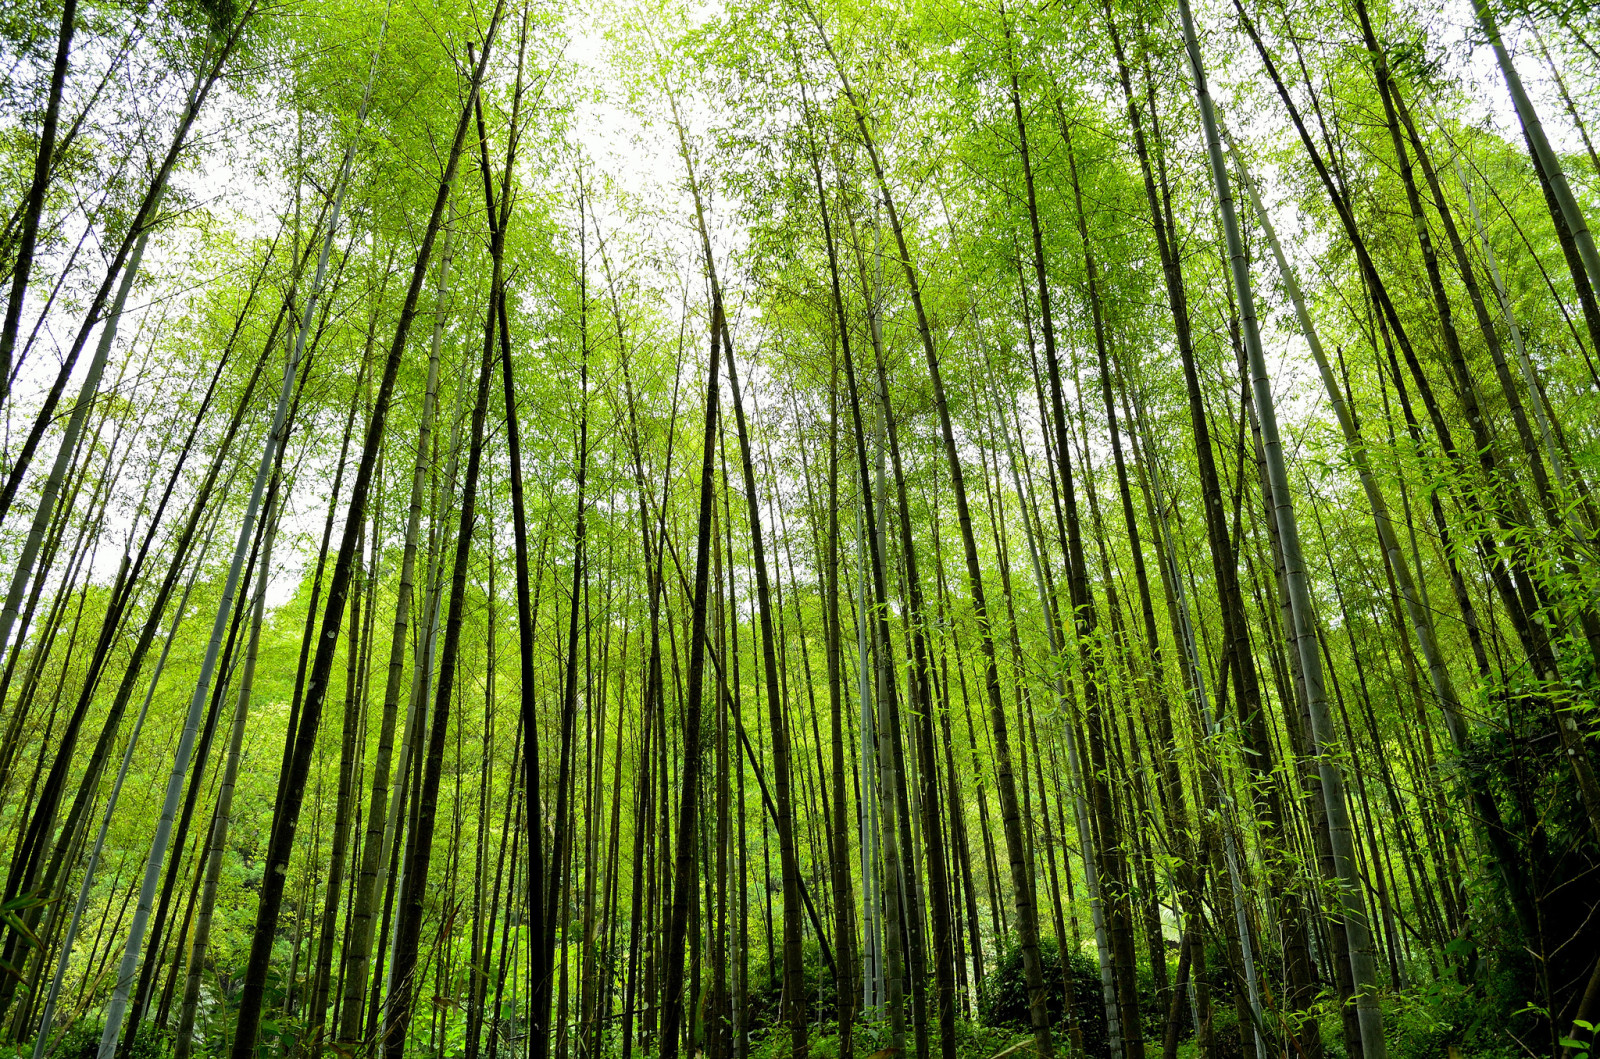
<point x="128" y="971"/>
<point x="129" y="966"/>
<point x="1363" y="968"/>
<point x="1416" y="607"/>
<point x="1415" y="601"/>
<point x="224" y="809"/>
<point x="47" y="1015"/>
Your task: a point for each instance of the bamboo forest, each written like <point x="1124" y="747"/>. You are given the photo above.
<point x="799" y="529"/>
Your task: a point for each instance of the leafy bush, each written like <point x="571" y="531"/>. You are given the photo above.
<point x="1227" y="1038"/>
<point x="1003" y="1000"/>
<point x="766" y="990"/>
<point x="83" y="1042"/>
<point x="1446" y="1015"/>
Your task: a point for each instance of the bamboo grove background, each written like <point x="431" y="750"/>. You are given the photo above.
<point x="796" y="527"/>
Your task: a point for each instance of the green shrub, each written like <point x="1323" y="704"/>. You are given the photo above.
<point x="766" y="990"/>
<point x="973" y="1040"/>
<point x="83" y="1042"/>
<point x="1446" y="1014"/>
<point x="1003" y="1000"/>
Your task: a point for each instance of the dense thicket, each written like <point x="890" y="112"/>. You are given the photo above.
<point x="787" y="527"/>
